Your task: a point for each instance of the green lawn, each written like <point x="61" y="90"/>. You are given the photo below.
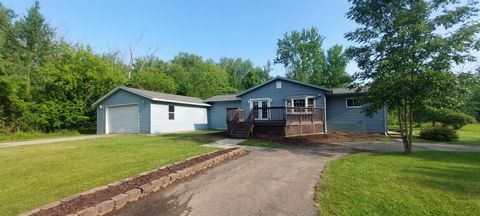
<point x="261" y="143"/>
<point x="34" y="175"/>
<point x="467" y="135"/>
<point x="426" y="183"/>
<point x="22" y="136"/>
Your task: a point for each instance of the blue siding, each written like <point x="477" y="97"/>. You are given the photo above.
<point x="278" y="94"/>
<point x="217" y="115"/>
<point x="340" y="118"/>
<point x="124" y="97"/>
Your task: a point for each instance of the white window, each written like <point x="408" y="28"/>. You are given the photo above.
<point x="310" y="102"/>
<point x="279" y="84"/>
<point x="260" y="108"/>
<point x="301" y="102"/>
<point x="353" y="103"/>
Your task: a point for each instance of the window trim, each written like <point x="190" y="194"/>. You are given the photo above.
<point x="269" y="100"/>
<point x="292" y="111"/>
<point x="171" y="105"/>
<point x="278" y="84"/>
<point x="352" y="107"/>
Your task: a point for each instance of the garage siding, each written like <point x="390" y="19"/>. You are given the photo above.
<point x="341" y="118"/>
<point x="124" y="97"/>
<point x="187" y="118"/>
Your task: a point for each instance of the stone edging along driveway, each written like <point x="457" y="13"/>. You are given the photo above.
<point x="107" y="198"/>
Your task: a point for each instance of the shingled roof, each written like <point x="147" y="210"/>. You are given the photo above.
<point x="157" y="96"/>
<point x="230" y="97"/>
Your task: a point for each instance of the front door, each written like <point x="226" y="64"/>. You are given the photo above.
<point x="259" y="113"/>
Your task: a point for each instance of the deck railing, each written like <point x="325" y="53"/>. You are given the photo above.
<point x="284" y="121"/>
<point x="287" y="114"/>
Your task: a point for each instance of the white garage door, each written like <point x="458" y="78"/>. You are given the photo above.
<point x="122" y="119"/>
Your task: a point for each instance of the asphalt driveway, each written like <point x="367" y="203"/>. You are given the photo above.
<point x="264" y="182"/>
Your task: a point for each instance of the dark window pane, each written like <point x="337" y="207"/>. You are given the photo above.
<point x="350" y="102"/>
<point x="311" y="102"/>
<point x="299" y="103"/>
<point x="353" y="102"/>
<point x="171" y="116"/>
<point x="171" y="108"/>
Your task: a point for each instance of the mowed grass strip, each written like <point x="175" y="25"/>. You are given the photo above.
<point x="23" y="136"/>
<point x="32" y="176"/>
<point x="426" y="183"/>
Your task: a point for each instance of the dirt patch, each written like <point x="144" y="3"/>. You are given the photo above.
<point x="330" y="138"/>
<point x="85" y="201"/>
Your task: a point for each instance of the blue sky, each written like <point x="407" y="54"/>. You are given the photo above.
<point x="211" y="28"/>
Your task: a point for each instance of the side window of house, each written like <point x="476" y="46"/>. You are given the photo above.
<point x="171" y="112"/>
<point x="353" y="103"/>
<point x="310" y="102"/>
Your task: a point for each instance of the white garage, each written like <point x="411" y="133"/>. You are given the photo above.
<point x="123" y="119"/>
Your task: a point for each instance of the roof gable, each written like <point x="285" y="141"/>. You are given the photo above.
<point x="156" y="96"/>
<point x="283" y="79"/>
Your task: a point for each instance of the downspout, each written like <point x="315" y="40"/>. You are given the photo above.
<point x="385" y="120"/>
<point x="325" y="112"/>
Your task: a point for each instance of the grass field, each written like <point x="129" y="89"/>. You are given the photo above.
<point x="261" y="143"/>
<point x="22" y="136"/>
<point x="467" y="135"/>
<point x="426" y="183"/>
<point x="35" y="175"/>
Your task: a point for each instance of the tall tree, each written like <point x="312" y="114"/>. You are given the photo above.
<point x="151" y="73"/>
<point x="304" y="59"/>
<point x="406" y="49"/>
<point x="243" y="74"/>
<point x="9" y="46"/>
<point x="36" y="36"/>
<point x="336" y="68"/>
<point x="197" y="77"/>
<point x="302" y="56"/>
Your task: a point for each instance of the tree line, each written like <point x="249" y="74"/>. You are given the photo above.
<point x="47" y="83"/>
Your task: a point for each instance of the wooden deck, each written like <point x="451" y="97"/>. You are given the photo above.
<point x="277" y="121"/>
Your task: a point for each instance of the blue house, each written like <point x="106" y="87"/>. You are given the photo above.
<point x="279" y="106"/>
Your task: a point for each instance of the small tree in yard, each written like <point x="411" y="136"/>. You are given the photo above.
<point x="406" y="50"/>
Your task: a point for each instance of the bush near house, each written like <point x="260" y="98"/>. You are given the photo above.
<point x="442" y="134"/>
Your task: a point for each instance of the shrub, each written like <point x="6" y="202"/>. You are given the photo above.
<point x="443" y="134"/>
<point x="457" y="119"/>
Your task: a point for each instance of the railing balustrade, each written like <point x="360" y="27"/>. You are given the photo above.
<point x="288" y="114"/>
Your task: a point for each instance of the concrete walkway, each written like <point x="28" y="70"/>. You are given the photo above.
<point x="225" y="143"/>
<point x="50" y="140"/>
<point x="263" y="182"/>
